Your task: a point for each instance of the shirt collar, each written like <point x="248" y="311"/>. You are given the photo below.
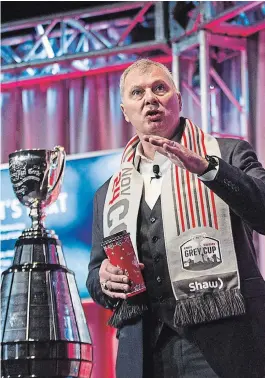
<point x="159" y="159"/>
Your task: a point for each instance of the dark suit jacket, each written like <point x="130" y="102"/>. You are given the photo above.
<point x="234" y="347"/>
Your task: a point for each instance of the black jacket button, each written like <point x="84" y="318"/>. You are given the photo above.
<point x="154" y="239"/>
<point x="159" y="279"/>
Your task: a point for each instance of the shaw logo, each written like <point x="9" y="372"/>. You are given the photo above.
<point x="205" y="285"/>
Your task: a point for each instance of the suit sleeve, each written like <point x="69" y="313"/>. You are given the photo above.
<point x="241" y="185"/>
<point x="96" y="258"/>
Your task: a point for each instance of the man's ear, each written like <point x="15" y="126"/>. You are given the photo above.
<point x="124" y="113"/>
<point x="180" y="101"/>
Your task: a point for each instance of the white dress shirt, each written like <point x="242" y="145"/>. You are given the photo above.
<point x="152" y="186"/>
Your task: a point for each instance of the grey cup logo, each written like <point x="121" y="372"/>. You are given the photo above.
<point x="200" y="253"/>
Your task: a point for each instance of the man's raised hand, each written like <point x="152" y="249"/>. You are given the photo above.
<point x="178" y="154"/>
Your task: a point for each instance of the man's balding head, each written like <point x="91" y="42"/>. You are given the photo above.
<point x="143" y="65"/>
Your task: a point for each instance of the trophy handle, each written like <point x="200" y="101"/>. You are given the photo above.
<point x="57" y="159"/>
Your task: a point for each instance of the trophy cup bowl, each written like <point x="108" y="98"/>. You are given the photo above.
<point x="36" y="177"/>
<point x="44" y="330"/>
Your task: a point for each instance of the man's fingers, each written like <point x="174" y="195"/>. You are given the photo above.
<point x="114" y="277"/>
<point x="111" y="272"/>
<point x="164" y="146"/>
<point x="161" y="150"/>
<point x="162" y="142"/>
<point x="174" y="148"/>
<point x="114" y="289"/>
<point x="156" y="142"/>
<point x="155" y="139"/>
<point x="159" y="147"/>
<point x="114" y="294"/>
<point x="178" y="154"/>
<point x="112" y="268"/>
<point x="114" y="286"/>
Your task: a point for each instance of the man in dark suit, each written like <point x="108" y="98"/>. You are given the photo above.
<point x="195" y="215"/>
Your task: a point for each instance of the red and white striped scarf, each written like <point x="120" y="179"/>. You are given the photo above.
<point x="197" y="231"/>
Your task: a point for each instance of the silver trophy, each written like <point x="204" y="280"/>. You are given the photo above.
<point x="36" y="176"/>
<point x="44" y="330"/>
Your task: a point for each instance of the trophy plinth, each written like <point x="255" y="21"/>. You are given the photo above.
<point x="44" y="330"/>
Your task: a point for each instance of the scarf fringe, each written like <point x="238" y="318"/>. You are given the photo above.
<point x="208" y="307"/>
<point x="127" y="310"/>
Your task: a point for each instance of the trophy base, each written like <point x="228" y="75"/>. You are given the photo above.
<point x="32" y="233"/>
<point x="49" y="359"/>
<point x="44" y="331"/>
<point x="37" y="250"/>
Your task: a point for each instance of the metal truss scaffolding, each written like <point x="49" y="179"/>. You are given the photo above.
<point x="79" y="42"/>
<point x="212" y="33"/>
<point x="204" y="35"/>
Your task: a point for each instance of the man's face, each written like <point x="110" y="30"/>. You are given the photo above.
<point x="151" y="102"/>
